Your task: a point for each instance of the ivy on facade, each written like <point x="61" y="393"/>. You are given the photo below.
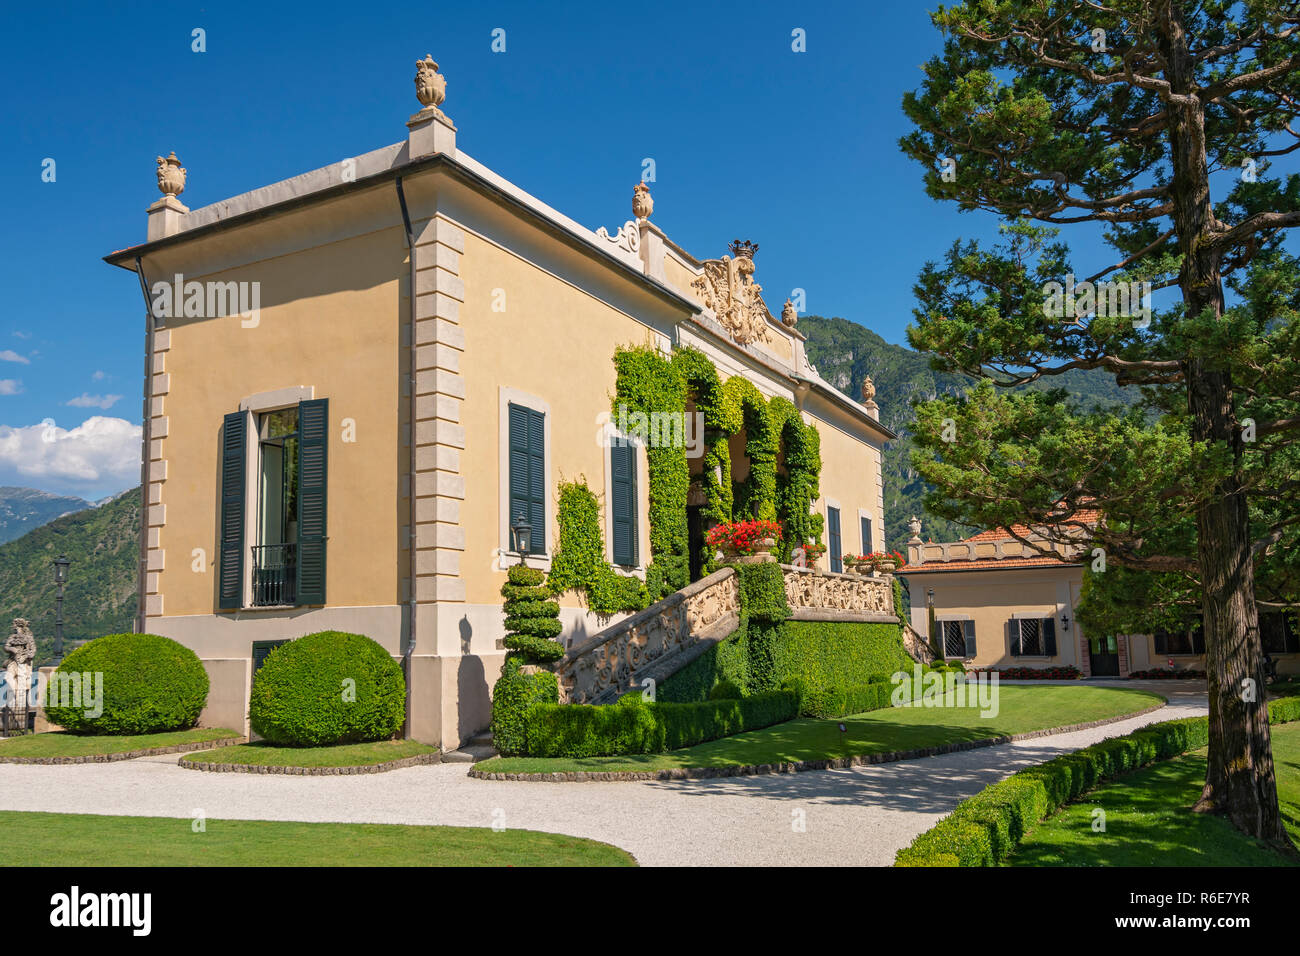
<point x="784" y="455"/>
<point x="579" y="563"/>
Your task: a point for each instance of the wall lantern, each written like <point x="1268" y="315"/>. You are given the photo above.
<point x="522" y="532"/>
<point x="1065" y="622"/>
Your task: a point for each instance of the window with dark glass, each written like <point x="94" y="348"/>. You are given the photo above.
<point x="275" y="557"/>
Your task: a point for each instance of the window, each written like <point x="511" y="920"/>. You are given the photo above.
<point x="623" y="501"/>
<point x="1032" y="637"/>
<point x="1278" y="632"/>
<point x="867" y="547"/>
<point x="275" y="549"/>
<point x="958" y="638"/>
<point x="528" y="472"/>
<point x="260" y="651"/>
<point x="280" y="538"/>
<point x="833" y="524"/>
<point x="1188" y="641"/>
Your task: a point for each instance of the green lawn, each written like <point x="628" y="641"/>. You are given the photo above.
<point x="339" y="755"/>
<point x="1021" y="709"/>
<point x="62" y="744"/>
<point x="60" y="839"/>
<point x="1149" y="820"/>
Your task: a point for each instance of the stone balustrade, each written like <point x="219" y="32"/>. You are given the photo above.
<point x="653" y="643"/>
<point x="922" y="553"/>
<point x="656" y="643"/>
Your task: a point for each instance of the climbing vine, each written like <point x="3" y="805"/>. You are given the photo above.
<point x="579" y="563"/>
<point x="647" y="383"/>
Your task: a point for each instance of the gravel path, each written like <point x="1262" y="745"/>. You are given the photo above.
<point x="860" y="816"/>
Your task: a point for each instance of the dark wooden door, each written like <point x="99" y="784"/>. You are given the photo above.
<point x="1104" y="655"/>
<point x="695" y="539"/>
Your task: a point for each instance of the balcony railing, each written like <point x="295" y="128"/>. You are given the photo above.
<point x="275" y="574"/>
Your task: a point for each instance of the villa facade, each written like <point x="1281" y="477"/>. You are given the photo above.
<point x="358" y="378"/>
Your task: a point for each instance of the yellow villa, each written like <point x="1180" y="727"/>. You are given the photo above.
<point x="364" y="383"/>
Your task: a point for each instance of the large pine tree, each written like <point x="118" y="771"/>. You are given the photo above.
<point x="1166" y="127"/>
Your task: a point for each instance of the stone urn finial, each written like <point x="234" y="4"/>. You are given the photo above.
<point x="914" y="526"/>
<point x="868" y="391"/>
<point x="171" y="175"/>
<point x="789" y="316"/>
<point x="430" y="85"/>
<point x="642" y="204"/>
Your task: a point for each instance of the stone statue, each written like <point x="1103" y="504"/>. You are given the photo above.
<point x="642" y="203"/>
<point x="788" y="314"/>
<point x="171" y="175"/>
<point x="430" y="85"/>
<point x="21" y="648"/>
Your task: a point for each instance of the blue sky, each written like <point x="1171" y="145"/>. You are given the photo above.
<point x="796" y="151"/>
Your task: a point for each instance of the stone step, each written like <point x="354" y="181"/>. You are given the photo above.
<point x="481" y="739"/>
<point x="469" y="754"/>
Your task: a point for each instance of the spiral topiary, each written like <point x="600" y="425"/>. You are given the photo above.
<point x="532" y="617"/>
<point x="151" y="684"/>
<point x="328" y="688"/>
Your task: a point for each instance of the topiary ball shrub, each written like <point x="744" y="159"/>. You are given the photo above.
<point x="328" y="688"/>
<point x="151" y="684"/>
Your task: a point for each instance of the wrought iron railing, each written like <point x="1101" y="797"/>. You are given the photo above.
<point x="275" y="574"/>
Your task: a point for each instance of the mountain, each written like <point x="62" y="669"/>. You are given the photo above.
<point x="22" y="509"/>
<point x="845" y="352"/>
<point x="100" y="597"/>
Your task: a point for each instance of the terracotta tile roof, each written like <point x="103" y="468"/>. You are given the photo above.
<point x="986" y="564"/>
<point x="999" y="534"/>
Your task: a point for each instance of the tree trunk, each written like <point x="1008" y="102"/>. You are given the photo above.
<point x="1239" y="780"/>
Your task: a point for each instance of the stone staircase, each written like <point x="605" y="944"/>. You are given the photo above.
<point x="478" y="748"/>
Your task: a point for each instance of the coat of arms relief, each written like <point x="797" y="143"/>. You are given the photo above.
<point x="728" y="288"/>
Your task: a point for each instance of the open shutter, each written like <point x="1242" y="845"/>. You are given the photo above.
<point x="969" y="628"/>
<point x="1013" y="637"/>
<point x="1049" y="636"/>
<point x="230" y="568"/>
<point x="1161" y="642"/>
<point x="313" y="445"/>
<point x="622" y="461"/>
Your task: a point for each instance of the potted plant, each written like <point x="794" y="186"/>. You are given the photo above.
<point x="745" y="542"/>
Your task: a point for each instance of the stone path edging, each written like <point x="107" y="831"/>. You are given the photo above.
<point x="415" y="761"/>
<point x="838" y="763"/>
<point x="130" y="754"/>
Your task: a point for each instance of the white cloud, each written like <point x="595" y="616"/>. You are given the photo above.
<point x="10" y="386"/>
<point x="9" y="355"/>
<point x="99" y="376"/>
<point x="22" y="335"/>
<point x="101" y="455"/>
<point x="86" y="400"/>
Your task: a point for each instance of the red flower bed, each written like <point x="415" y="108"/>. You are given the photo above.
<point x="1036" y="673"/>
<point x="1167" y="673"/>
<point x="742" y="537"/>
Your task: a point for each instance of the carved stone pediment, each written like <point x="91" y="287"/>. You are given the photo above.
<point x="728" y="288"/>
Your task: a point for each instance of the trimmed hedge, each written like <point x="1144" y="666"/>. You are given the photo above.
<point x="151" y="684"/>
<point x="826" y="701"/>
<point x="984" y="830"/>
<point x="633" y="726"/>
<point x="328" y="688"/>
<point x="513" y="694"/>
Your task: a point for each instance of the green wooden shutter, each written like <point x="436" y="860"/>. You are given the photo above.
<point x="528" y="472"/>
<point x="1049" y="636"/>
<point x="1013" y="637"/>
<point x="622" y="461"/>
<point x="230" y="564"/>
<point x="969" y="628"/>
<point x="313" y="447"/>
<point x="833" y="523"/>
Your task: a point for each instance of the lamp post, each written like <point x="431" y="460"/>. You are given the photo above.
<point x="522" y="532"/>
<point x="60" y="565"/>
<point x="936" y="644"/>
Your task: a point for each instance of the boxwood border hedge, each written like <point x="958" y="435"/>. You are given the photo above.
<point x="985" y="829"/>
